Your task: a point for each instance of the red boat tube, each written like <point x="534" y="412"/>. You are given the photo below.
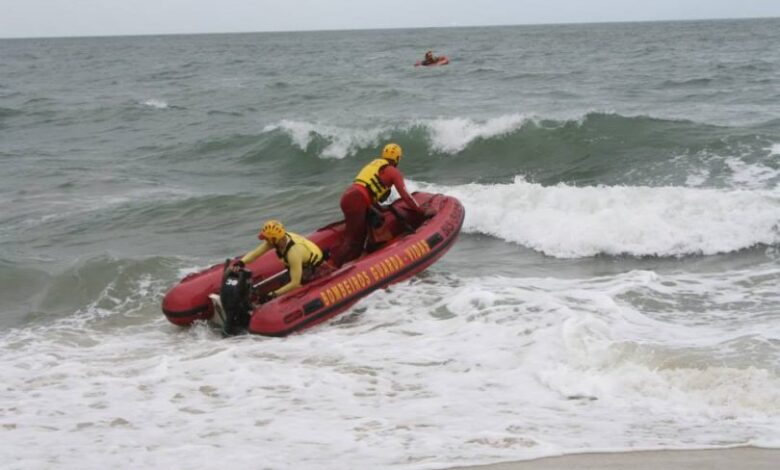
<point x="442" y="60"/>
<point x="401" y="248"/>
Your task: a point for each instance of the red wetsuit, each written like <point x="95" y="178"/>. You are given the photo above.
<point x="355" y="203"/>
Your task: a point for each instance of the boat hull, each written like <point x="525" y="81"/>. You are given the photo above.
<point x="401" y="254"/>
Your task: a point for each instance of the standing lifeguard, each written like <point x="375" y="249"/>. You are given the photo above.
<point x="370" y="187"/>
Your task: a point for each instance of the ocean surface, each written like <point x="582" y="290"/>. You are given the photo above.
<point x="616" y="285"/>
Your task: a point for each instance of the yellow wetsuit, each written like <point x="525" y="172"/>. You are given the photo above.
<point x="299" y="253"/>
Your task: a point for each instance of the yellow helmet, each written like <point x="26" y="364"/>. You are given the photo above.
<point x="392" y="152"/>
<point x="273" y="231"/>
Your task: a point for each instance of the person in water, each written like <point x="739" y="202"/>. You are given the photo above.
<point x="370" y="187"/>
<point x="300" y="255"/>
<point x="430" y="58"/>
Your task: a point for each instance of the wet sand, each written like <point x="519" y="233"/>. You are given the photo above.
<point x="740" y="458"/>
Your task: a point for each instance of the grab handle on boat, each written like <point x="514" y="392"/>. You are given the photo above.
<point x="269" y="279"/>
<point x="401" y="219"/>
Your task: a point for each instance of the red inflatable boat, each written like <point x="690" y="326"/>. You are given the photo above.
<point x="403" y="246"/>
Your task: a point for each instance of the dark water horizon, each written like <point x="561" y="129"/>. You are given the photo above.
<point x="402" y="28"/>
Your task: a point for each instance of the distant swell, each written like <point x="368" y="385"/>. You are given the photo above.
<point x="573" y="222"/>
<point x="597" y="148"/>
<point x="336" y="142"/>
<point x="456" y="134"/>
<point x="447" y="136"/>
<point x="8" y="112"/>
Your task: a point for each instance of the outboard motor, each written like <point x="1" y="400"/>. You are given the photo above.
<point x="234" y="304"/>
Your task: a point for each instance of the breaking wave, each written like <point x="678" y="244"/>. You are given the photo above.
<point x="573" y="222"/>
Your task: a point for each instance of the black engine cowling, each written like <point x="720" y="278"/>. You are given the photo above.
<point x="235" y="298"/>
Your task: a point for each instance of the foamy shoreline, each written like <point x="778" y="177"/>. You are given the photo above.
<point x="743" y="458"/>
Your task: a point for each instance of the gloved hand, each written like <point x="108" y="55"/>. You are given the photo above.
<point x="236" y="265"/>
<point x="429" y="212"/>
<point x="267" y="297"/>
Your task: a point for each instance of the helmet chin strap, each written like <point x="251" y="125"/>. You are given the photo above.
<point x="284" y="239"/>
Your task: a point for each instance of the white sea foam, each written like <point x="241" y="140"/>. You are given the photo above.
<point x="341" y="142"/>
<point x="454" y="135"/>
<point x="744" y="171"/>
<point x="751" y="175"/>
<point x="156" y="104"/>
<point x="697" y="178"/>
<point x="774" y="149"/>
<point x="570" y="222"/>
<point x="426" y="375"/>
